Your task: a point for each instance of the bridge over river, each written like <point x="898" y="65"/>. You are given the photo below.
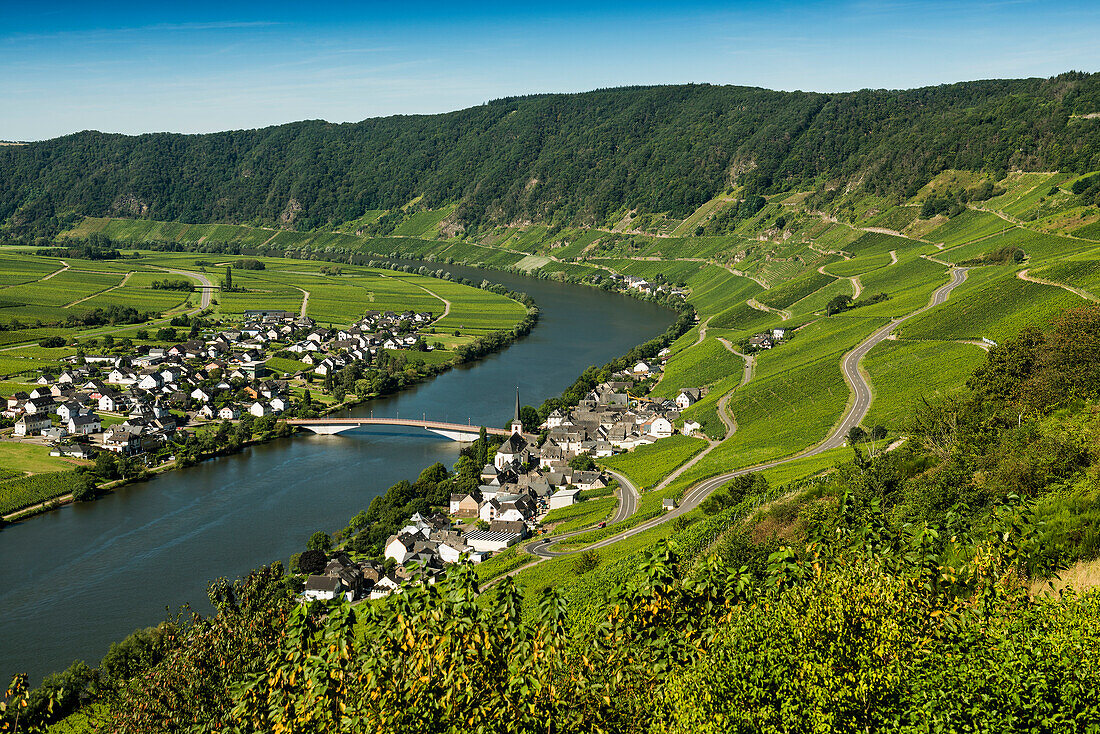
<point x="453" y="431"/>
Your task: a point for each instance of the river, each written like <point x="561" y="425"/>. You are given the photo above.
<point x="76" y="579"/>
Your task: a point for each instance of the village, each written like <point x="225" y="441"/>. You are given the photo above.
<point x="141" y="403"/>
<point x="524" y="481"/>
<point x="134" y="401"/>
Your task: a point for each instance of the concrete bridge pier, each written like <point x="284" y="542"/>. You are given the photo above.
<point x="329" y="429"/>
<point x="460" y="436"/>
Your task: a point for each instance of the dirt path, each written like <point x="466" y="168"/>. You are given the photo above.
<point x="723" y="415"/>
<point x="55" y="502"/>
<point x="1022" y="275"/>
<point x="305" y="300"/>
<point x="100" y="293"/>
<point x="446" y="303"/>
<point x="65" y="266"/>
<point x="857" y="286"/>
<point x="753" y="303"/>
<point x="937" y="260"/>
<point x="893" y="257"/>
<point x="750" y="361"/>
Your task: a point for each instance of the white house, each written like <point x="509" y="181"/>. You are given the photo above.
<point x="588" y="480"/>
<point x="399" y="547"/>
<point x="563" y="498"/>
<point x="278" y="404"/>
<point x="687" y="397"/>
<point x="201" y="395"/>
<point x="32" y="424"/>
<point x="150" y="382"/>
<point x="110" y="403"/>
<point x="229" y="413"/>
<point x="489" y="510"/>
<point x="452" y="552"/>
<point x="323" y="588"/>
<point x="690" y="427"/>
<point x="658" y="427"/>
<point x="385" y="586"/>
<point x="259" y="409"/>
<point x="488" y="541"/>
<point x="82" y="425"/>
<point x="65" y="411"/>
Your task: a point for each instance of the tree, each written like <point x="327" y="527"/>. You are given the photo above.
<point x="586" y="561"/>
<point x="228" y="278"/>
<point x="529" y="416"/>
<point x="856" y="435"/>
<point x="312" y="562"/>
<point x="483" y="448"/>
<point x="84" y="488"/>
<point x="582" y="462"/>
<point x="106" y="465"/>
<point x="839" y="304"/>
<point x="320" y="541"/>
<point x="307" y="399"/>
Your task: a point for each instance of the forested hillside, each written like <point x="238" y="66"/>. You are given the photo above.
<point x="559" y="158"/>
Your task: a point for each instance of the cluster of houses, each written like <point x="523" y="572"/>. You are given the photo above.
<point x="352" y="580"/>
<point x="634" y="283"/>
<point x="330" y="350"/>
<point x="766" y="339"/>
<point x="525" y="480"/>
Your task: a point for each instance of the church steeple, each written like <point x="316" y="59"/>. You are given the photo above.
<point x="517" y="424"/>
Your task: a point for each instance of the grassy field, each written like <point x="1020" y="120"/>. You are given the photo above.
<point x="996" y="310"/>
<point x="700" y="366"/>
<point x="580" y="515"/>
<point x="794" y="290"/>
<point x="646" y="466"/>
<point x="967" y="227"/>
<point x="903" y="372"/>
<point x="29" y="458"/>
<point x="30" y="475"/>
<point x="1082" y="271"/>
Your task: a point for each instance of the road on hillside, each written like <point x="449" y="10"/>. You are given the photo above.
<point x="628" y="505"/>
<point x="856" y="413"/>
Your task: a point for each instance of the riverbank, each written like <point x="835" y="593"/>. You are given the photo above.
<point x="89" y="573"/>
<point x="480" y="348"/>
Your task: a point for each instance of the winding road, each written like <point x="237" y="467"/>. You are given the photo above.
<point x="207" y="287"/>
<point x="861" y="403"/>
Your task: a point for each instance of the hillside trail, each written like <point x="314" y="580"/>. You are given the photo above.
<point x="893" y="257"/>
<point x="100" y="293"/>
<point x="446" y="303"/>
<point x="1023" y="225"/>
<point x="1022" y="275"/>
<point x="723" y="414"/>
<point x="62" y="269"/>
<point x="783" y="314"/>
<point x="857" y="286"/>
<point x="859" y="406"/>
<point x="702" y="336"/>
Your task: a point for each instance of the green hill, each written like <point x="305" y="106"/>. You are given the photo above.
<point x="577" y="158"/>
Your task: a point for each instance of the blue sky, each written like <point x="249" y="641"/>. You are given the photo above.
<point x="205" y="66"/>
